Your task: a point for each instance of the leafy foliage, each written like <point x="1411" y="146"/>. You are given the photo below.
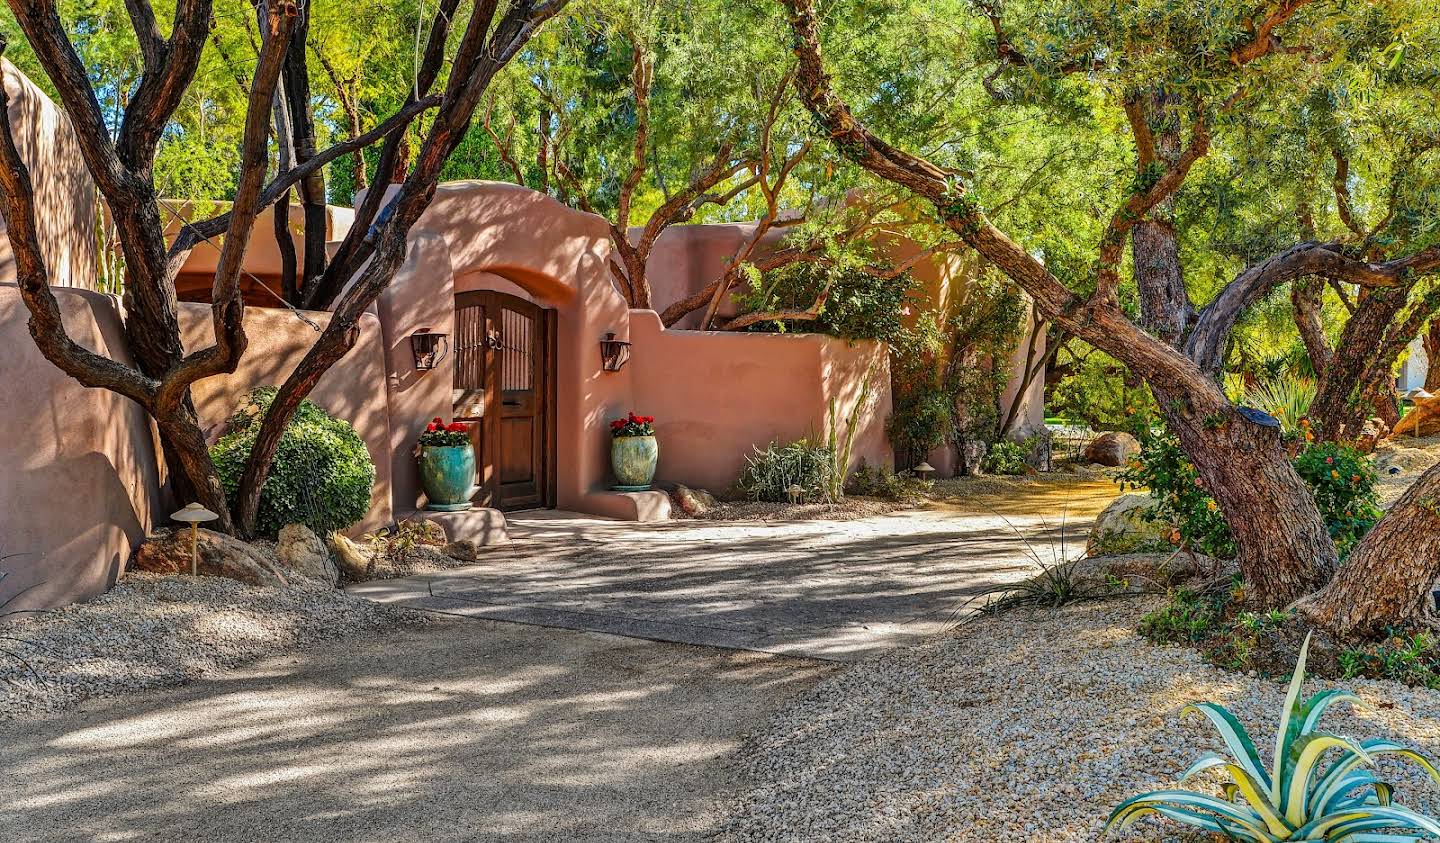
<point x="1286" y="398"/>
<point x="770" y="472"/>
<point x="1297" y="797"/>
<point x="1343" y="482"/>
<point x="1164" y="469"/>
<point x="874" y="482"/>
<point x="438" y="434"/>
<point x="322" y="473"/>
<point x="945" y="382"/>
<point x="858" y="305"/>
<point x="1006" y="457"/>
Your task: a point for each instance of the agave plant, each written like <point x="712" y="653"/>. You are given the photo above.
<point x="1299" y="799"/>
<point x="1287" y="399"/>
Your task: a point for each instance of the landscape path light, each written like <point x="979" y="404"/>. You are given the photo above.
<point x="194" y="515"/>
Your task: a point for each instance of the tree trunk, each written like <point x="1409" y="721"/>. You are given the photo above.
<point x="1283" y="546"/>
<point x="1284" y="550"/>
<point x="1341" y="403"/>
<point x="187" y="458"/>
<point x="1387" y="579"/>
<point x="1432" y="356"/>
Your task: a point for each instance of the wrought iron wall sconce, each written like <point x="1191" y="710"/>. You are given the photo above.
<point x="613" y="353"/>
<point x="429" y="348"/>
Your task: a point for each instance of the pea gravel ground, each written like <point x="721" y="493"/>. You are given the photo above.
<point x="153" y="631"/>
<point x="1028" y="726"/>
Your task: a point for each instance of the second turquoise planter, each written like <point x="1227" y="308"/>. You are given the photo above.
<point x="634" y="459"/>
<point x="447" y="474"/>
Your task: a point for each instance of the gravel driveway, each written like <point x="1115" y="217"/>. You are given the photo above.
<point x="458" y="731"/>
<point x="817" y="589"/>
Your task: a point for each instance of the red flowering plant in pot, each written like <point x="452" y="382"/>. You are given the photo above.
<point x="634" y="453"/>
<point x="447" y="465"/>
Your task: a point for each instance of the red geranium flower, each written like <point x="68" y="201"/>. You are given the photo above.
<point x="456" y="427"/>
<point x="431" y="427"/>
<point x="617" y="424"/>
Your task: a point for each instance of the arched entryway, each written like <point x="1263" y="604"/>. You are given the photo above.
<point x="505" y="390"/>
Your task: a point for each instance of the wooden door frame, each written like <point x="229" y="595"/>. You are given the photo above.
<point x="546" y="393"/>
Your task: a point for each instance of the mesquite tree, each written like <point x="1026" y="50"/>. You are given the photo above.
<point x="1285" y="552"/>
<point x="123" y="168"/>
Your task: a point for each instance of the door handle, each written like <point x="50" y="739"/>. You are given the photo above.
<point x="510" y="403"/>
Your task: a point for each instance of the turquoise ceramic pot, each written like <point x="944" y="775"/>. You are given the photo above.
<point x="633" y="458"/>
<point x="447" y="474"/>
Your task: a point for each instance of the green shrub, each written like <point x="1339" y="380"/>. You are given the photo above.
<point x="1163" y="469"/>
<point x="770" y="472"/>
<point x="1006" y="457"/>
<point x="858" y="305"/>
<point x="1189" y="618"/>
<point x="1343" y="482"/>
<point x="322" y="474"/>
<point x="878" y="483"/>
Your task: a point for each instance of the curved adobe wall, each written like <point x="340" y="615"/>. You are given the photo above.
<point x="64" y="193"/>
<point x="78" y="465"/>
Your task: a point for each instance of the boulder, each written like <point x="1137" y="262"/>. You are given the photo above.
<point x="168" y="552"/>
<point x="1422" y="420"/>
<point x="694" y="502"/>
<point x="300" y="550"/>
<point x="355" y="560"/>
<point x="1112" y="449"/>
<point x="462" y="549"/>
<point x="1124" y="528"/>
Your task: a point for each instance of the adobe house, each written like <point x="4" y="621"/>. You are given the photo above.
<point x="517" y="284"/>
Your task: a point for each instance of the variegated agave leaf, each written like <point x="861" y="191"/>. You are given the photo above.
<point x="1316" y="790"/>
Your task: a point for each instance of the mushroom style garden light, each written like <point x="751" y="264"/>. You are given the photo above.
<point x="194" y="515"/>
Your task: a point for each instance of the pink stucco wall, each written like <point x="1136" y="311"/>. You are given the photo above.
<point x="716" y="395"/>
<point x="78" y="477"/>
<point x="82" y="479"/>
<point x="64" y="194"/>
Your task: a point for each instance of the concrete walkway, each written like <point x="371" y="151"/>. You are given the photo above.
<point x="460" y="731"/>
<point x="816" y="589"/>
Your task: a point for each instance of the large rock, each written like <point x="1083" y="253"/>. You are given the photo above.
<point x="354" y="559"/>
<point x="1422" y="420"/>
<point x="1112" y="449"/>
<point x="168" y="552"/>
<point x="694" y="502"/>
<point x="1124" y="528"/>
<point x="301" y="551"/>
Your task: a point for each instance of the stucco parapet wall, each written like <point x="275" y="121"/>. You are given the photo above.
<point x="717" y="395"/>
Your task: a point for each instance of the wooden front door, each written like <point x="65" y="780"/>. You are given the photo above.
<point x="505" y="391"/>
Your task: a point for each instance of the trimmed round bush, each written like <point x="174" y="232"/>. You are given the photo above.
<point x="322" y="474"/>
